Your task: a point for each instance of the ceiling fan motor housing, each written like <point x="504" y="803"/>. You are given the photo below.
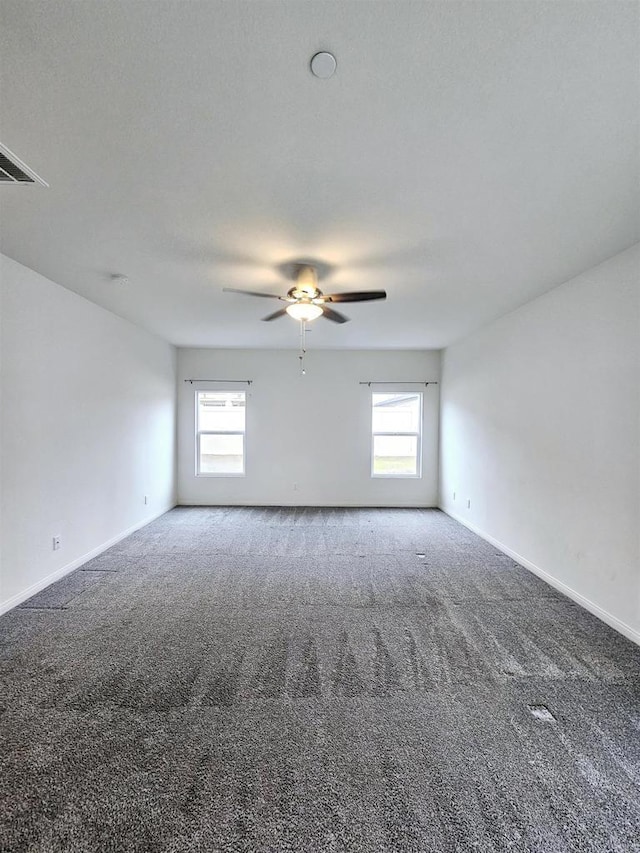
<point x="306" y="286"/>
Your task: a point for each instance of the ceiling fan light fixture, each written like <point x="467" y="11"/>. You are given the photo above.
<point x="304" y="311"/>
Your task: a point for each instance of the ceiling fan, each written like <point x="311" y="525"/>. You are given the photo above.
<point x="307" y="301"/>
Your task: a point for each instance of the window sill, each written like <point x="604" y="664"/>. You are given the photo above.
<point x="396" y="476"/>
<point x="205" y="476"/>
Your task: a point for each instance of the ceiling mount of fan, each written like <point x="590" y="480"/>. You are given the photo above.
<point x="306" y="286"/>
<point x="307" y="301"/>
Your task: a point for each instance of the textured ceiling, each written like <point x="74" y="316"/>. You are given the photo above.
<point x="465" y="156"/>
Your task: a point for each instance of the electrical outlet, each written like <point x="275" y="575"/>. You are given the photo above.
<point x="56" y="543"/>
<point x="295" y="487"/>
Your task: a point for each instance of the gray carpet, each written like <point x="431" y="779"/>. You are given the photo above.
<point x="314" y="680"/>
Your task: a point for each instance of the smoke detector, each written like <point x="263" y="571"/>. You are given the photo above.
<point x="14" y="171"/>
<point x="323" y="65"/>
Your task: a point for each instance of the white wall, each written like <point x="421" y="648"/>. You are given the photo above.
<point x="87" y="429"/>
<point x="313" y="430"/>
<point x="541" y="430"/>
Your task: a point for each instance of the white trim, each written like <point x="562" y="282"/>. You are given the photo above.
<point x="314" y="505"/>
<point x="604" y="615"/>
<point x="38" y="586"/>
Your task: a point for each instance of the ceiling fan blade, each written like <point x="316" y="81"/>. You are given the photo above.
<point x="360" y="296"/>
<point x="251" y="293"/>
<point x="333" y="315"/>
<point x="275" y="315"/>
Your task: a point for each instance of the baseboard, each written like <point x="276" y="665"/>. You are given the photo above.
<point x="17" y="599"/>
<point x="606" y="617"/>
<point x="342" y="505"/>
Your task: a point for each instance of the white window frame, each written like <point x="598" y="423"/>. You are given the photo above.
<point x="417" y="434"/>
<point x="199" y="433"/>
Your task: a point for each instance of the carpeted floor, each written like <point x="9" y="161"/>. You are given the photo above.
<point x="310" y="680"/>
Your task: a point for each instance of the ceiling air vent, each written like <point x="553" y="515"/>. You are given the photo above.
<point x="14" y="171"/>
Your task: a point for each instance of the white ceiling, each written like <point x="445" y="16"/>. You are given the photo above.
<point x="465" y="156"/>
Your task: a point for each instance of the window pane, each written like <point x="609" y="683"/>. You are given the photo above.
<point x="396" y="412"/>
<point x="221" y="411"/>
<point x="395" y="454"/>
<point x="221" y="454"/>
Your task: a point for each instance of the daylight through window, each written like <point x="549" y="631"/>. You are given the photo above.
<point x="396" y="434"/>
<point x="220" y="430"/>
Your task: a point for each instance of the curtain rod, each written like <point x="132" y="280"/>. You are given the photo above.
<point x="237" y="381"/>
<point x="388" y="382"/>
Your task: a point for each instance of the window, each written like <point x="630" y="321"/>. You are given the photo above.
<point x="220" y="421"/>
<point x="396" y="441"/>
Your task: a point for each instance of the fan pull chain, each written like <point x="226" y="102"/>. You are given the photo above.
<point x="303" y="351"/>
